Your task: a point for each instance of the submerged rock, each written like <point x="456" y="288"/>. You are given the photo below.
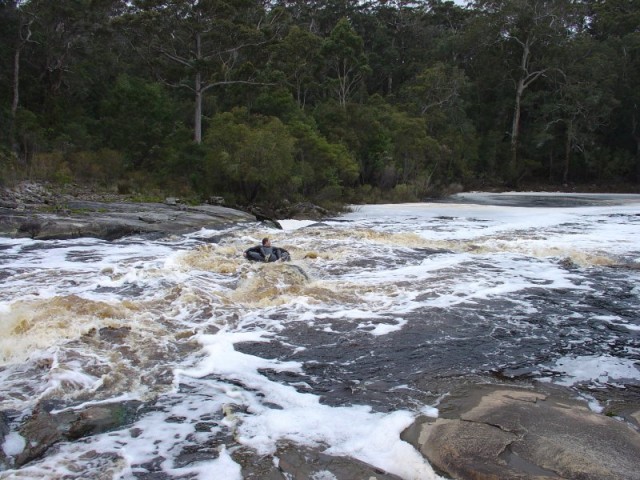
<point x="299" y="463"/>
<point x="493" y="431"/>
<point x="44" y="428"/>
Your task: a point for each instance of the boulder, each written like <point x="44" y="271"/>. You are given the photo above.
<point x="494" y="432"/>
<point x="303" y="211"/>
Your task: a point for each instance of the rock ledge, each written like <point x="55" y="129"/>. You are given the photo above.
<point x="493" y="431"/>
<point x="33" y="212"/>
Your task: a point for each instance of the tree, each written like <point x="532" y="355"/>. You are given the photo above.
<point x="297" y="56"/>
<point x="17" y="22"/>
<point x="436" y="87"/>
<point x="250" y="154"/>
<point x="582" y="98"/>
<point x="346" y="61"/>
<point x="198" y="44"/>
<point x="322" y="166"/>
<point x="55" y="46"/>
<point x="528" y="32"/>
<point x="320" y="16"/>
<point x="615" y="23"/>
<point x="138" y="119"/>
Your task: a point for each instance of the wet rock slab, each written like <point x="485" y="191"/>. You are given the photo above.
<point x="493" y="431"/>
<point x="44" y="429"/>
<point x="299" y="463"/>
<point x="110" y="221"/>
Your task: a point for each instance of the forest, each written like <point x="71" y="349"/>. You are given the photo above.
<point x="331" y="102"/>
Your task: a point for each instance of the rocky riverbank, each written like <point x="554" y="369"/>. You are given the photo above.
<point x="34" y="211"/>
<point x="484" y="432"/>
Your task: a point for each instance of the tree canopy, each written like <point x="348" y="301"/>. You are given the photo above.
<point x="333" y="102"/>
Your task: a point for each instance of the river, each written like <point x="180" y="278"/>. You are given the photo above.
<point x="381" y="312"/>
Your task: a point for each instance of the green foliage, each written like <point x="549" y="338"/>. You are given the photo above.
<point x="277" y="103"/>
<point x="345" y="60"/>
<point x="138" y="119"/>
<point x="54" y="166"/>
<point x="8" y="167"/>
<point x="297" y="57"/>
<point x="321" y="164"/>
<point x="100" y="166"/>
<point x="250" y="153"/>
<point x="326" y="101"/>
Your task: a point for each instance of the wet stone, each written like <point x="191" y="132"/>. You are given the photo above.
<point x="111" y="221"/>
<point x="190" y="454"/>
<point x="292" y="462"/>
<point x="44" y="429"/>
<point x="152" y="470"/>
<point x="114" y="335"/>
<point x="205" y="426"/>
<point x="4" y="426"/>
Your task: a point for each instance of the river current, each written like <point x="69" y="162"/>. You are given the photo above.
<point x="381" y="312"/>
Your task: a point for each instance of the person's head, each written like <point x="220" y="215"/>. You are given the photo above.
<point x="266" y="242"/>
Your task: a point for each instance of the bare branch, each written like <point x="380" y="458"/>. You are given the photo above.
<point x="532" y="77"/>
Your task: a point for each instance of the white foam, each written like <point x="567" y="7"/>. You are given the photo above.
<point x="291" y="225"/>
<point x="378" y="329"/>
<point x="13" y="444"/>
<point x="120" y="398"/>
<point x="601" y="369"/>
<point x="430" y="411"/>
<point x="323" y="475"/>
<point x="222" y="467"/>
<point x="300" y="417"/>
<point x="374" y="270"/>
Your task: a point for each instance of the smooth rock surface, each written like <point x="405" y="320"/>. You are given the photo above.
<point x="496" y="432"/>
<point x="110" y="221"/>
<point x="292" y="462"/>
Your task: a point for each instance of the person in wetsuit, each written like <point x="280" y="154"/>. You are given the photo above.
<point x="266" y="253"/>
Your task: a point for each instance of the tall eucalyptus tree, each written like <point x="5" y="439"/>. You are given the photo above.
<point x="615" y="23"/>
<point x="298" y="57"/>
<point x="16" y="28"/>
<point x="198" y="44"/>
<point x="60" y="43"/>
<point x="526" y="33"/>
<point x="346" y="61"/>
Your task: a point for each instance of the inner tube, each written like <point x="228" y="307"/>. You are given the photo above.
<point x="267" y="254"/>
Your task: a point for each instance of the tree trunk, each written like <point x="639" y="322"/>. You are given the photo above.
<point x="515" y="130"/>
<point x="342" y="82"/>
<point x="16" y="83"/>
<point x="515" y="125"/>
<point x="15" y="101"/>
<point x="526" y="78"/>
<point x="567" y="152"/>
<point x="197" y="119"/>
<point x="16" y="98"/>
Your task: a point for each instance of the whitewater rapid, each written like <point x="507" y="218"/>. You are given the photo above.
<point x="380" y="313"/>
